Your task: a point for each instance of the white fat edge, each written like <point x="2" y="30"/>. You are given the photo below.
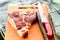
<point x="20" y="33"/>
<point x="11" y="21"/>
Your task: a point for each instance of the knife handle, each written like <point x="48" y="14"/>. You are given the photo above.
<point x="48" y="28"/>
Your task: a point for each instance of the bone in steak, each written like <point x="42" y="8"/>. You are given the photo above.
<point x="22" y="20"/>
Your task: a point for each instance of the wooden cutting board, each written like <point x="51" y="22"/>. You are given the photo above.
<point x="34" y="33"/>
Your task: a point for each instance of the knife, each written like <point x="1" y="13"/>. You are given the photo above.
<point x="41" y="27"/>
<point x="44" y="20"/>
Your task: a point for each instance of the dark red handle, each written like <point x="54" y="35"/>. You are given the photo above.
<point x="48" y="28"/>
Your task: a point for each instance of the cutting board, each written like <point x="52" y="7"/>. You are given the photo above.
<point x="34" y="32"/>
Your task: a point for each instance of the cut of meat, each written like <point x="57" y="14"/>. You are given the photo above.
<point x="23" y="19"/>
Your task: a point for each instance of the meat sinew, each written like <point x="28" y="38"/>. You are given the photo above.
<point x="23" y="20"/>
